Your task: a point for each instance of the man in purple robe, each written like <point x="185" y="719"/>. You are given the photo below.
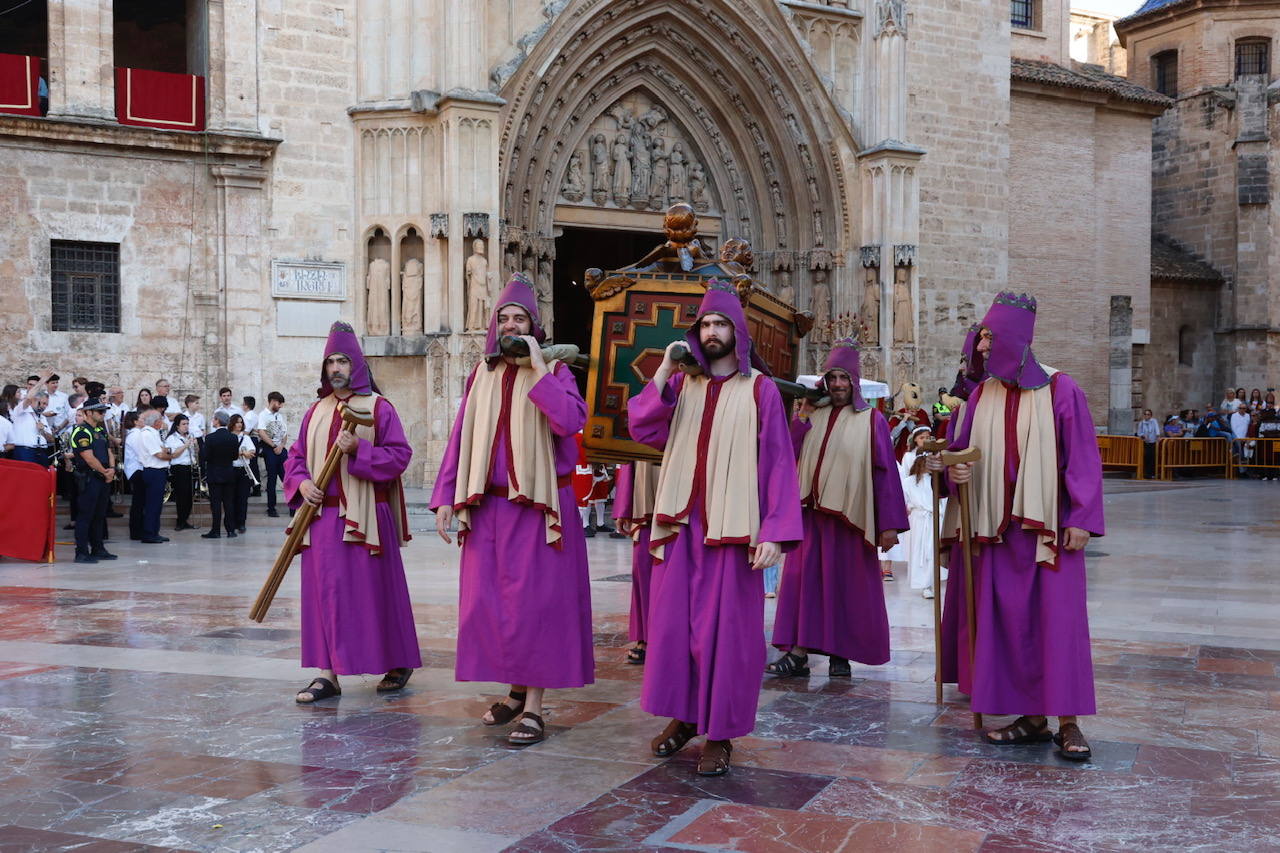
<point x="1036" y="498"/>
<point x="727" y="504"/>
<point x="524" y="609"/>
<point x="832" y="598"/>
<point x="356" y="616"/>
<point x="633" y="511"/>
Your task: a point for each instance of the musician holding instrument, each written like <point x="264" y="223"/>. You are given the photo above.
<point x="1035" y="499"/>
<point x="244" y="480"/>
<point x="182" y="469"/>
<point x="272" y="435"/>
<point x="356" y="615"/>
<point x="524" y="613"/>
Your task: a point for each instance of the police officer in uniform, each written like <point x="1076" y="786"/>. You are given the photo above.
<point x="94" y="470"/>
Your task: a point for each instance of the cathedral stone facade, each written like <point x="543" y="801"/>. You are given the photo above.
<point x="893" y="163"/>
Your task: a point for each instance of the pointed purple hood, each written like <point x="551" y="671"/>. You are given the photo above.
<point x="342" y="339"/>
<point x="1012" y="323"/>
<point x="971" y="372"/>
<point x="519" y="291"/>
<point x="722" y="299"/>
<point x="846" y="355"/>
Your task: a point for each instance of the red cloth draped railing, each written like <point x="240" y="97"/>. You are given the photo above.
<point x="30" y="515"/>
<point x="19" y="84"/>
<point x="159" y="99"/>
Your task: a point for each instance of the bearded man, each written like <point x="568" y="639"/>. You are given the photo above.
<point x="832" y="599"/>
<point x="356" y="615"/>
<point x="1035" y="498"/>
<point x="727" y="505"/>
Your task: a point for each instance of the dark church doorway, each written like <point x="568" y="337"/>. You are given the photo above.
<point x="577" y="250"/>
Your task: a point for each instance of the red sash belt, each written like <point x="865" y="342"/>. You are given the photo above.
<point x="502" y="491"/>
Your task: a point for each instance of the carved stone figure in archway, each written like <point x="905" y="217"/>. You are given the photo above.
<point x="411" y="297"/>
<point x="871" y="305"/>
<point x="575" y="184"/>
<point x="641" y="166"/>
<point x="821" y="333"/>
<point x="542" y="284"/>
<point x="621" y="170"/>
<point x="678" y="164"/>
<point x="477" y="275"/>
<point x="903" y="331"/>
<point x="599" y="169"/>
<point x="786" y="291"/>
<point x="698" y="188"/>
<point x="661" y="175"/>
<point x="377" y="320"/>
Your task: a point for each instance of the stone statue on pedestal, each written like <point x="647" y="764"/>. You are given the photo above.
<point x="477" y="277"/>
<point x="411" y="297"/>
<point x="903" y="331"/>
<point x="871" y="306"/>
<point x="575" y="184"/>
<point x="378" y="303"/>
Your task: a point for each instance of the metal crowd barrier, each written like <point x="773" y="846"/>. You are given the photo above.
<point x="1175" y="453"/>
<point x="1256" y="455"/>
<point x="1122" y="451"/>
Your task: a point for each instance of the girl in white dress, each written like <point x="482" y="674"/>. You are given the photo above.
<point x="917" y="488"/>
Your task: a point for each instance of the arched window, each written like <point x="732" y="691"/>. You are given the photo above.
<point x="1186" y="346"/>
<point x="1164" y="71"/>
<point x="1253" y="56"/>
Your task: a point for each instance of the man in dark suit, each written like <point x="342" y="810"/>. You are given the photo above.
<point x="221" y="448"/>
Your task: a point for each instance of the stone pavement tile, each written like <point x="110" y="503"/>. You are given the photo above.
<point x="624" y="815"/>
<point x="829" y="759"/>
<point x="554" y="842"/>
<point x="1030" y="841"/>
<point x="21" y="839"/>
<point x="1236" y="665"/>
<point x="844" y="719"/>
<point x="1235" y="653"/>
<point x="1202" y="765"/>
<point x="966" y="810"/>
<point x="377" y="834"/>
<point x="754" y="829"/>
<point x="748" y="785"/>
<point x="515" y="796"/>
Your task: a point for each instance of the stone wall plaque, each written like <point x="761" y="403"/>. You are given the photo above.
<point x="308" y="280"/>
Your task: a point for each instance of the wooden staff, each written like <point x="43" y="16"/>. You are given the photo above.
<point x="351" y="418"/>
<point x="969" y="455"/>
<point x="937" y="445"/>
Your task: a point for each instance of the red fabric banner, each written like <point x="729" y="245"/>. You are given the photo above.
<point x="30" y="515"/>
<point x="159" y="99"/>
<point x="19" y="84"/>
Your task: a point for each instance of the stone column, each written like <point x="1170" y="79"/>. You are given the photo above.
<point x="240" y="271"/>
<point x="1120" y="414"/>
<point x="231" y="83"/>
<point x="81" y="60"/>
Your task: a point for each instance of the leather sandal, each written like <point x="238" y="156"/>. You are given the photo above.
<point x="326" y="690"/>
<point x="715" y="758"/>
<point x="788" y="665"/>
<point x="525" y="733"/>
<point x="839" y="668"/>
<point x="1023" y="730"/>
<point x="502" y="713"/>
<point x="635" y="655"/>
<point x="1070" y="735"/>
<point x="394" y="680"/>
<point x="673" y="738"/>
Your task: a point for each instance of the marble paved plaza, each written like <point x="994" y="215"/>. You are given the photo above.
<point x="140" y="709"/>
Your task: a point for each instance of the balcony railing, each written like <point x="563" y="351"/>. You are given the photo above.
<point x="159" y="99"/>
<point x="20" y="85"/>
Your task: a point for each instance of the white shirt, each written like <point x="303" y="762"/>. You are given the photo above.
<point x="1240" y="421"/>
<point x="176" y="441"/>
<point x="6" y="433"/>
<point x="1230" y="405"/>
<point x="172" y="409"/>
<point x="25" y="433"/>
<point x="115" y="414"/>
<point x="149" y="444"/>
<point x="131" y="463"/>
<point x="246" y="445"/>
<point x="250" y="421"/>
<point x="229" y="411"/>
<point x="58" y="405"/>
<point x="269" y="417"/>
<point x="195" y="423"/>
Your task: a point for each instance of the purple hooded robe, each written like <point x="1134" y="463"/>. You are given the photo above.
<point x="831" y="599"/>
<point x="524" y="607"/>
<point x="641" y="559"/>
<point x="356" y="615"/>
<point x="706" y="645"/>
<point x="1032" y="652"/>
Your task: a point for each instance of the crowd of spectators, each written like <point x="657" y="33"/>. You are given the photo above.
<point x="1240" y="417"/>
<point x="160" y="448"/>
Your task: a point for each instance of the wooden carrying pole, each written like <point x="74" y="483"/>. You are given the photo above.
<point x="937" y="445"/>
<point x="971" y="454"/>
<point x="351" y="418"/>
